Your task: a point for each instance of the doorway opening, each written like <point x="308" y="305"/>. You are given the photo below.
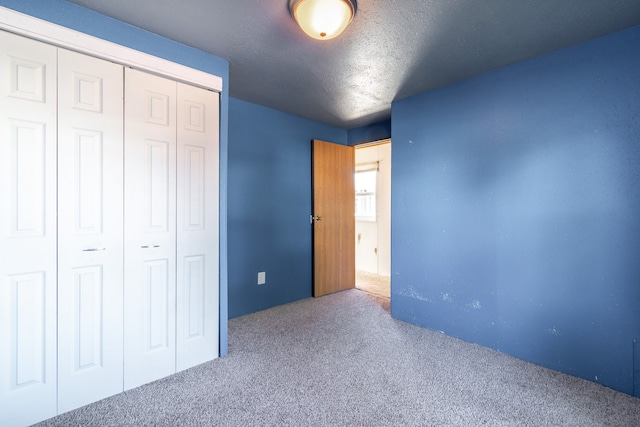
<point x="373" y="220"/>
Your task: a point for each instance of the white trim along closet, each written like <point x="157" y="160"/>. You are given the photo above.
<point x="109" y="216"/>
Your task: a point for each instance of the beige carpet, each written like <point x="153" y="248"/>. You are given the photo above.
<point x="376" y="286"/>
<point x="373" y="283"/>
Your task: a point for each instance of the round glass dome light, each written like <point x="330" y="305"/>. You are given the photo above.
<point x="322" y="19"/>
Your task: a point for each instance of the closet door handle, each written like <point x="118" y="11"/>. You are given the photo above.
<point x="93" y="249"/>
<point x="149" y="246"/>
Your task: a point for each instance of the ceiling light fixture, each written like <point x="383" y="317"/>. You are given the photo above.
<point x="323" y="19"/>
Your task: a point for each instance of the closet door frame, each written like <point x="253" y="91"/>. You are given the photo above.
<point x="37" y="29"/>
<point x="57" y="35"/>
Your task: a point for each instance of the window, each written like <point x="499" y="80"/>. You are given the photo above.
<point x="365" y="182"/>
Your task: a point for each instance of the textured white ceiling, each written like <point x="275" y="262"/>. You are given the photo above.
<point x="391" y="50"/>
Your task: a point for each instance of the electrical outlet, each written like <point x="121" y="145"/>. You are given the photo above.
<point x="262" y="278"/>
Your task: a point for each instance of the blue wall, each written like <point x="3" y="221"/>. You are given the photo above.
<point x="269" y="205"/>
<point x="373" y="132"/>
<point x="516" y="209"/>
<point x="78" y="18"/>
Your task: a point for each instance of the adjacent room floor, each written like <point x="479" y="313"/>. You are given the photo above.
<point x="378" y="287"/>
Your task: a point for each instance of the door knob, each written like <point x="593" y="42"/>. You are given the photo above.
<point x="317" y="218"/>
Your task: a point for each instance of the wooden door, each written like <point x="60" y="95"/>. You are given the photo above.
<point x="197" y="228"/>
<point x="27" y="230"/>
<point x="150" y="228"/>
<point x="90" y="233"/>
<point x="333" y="218"/>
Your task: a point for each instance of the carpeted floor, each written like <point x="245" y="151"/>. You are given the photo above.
<point x="341" y="360"/>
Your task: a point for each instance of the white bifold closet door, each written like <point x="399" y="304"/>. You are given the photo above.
<point x="171" y="227"/>
<point x="90" y="229"/>
<point x="198" y="226"/>
<point x="27" y="230"/>
<point x="150" y="228"/>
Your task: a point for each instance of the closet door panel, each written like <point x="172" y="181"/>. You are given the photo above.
<point x="27" y="230"/>
<point x="197" y="235"/>
<point x="150" y="228"/>
<point x="90" y="227"/>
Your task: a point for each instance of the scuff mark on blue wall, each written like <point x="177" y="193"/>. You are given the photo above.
<point x="519" y="189"/>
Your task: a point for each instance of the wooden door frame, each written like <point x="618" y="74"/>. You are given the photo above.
<point x="374" y="143"/>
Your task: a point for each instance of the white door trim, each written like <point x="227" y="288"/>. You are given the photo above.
<point x="38" y="29"/>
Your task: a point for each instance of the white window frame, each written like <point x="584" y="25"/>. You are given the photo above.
<point x="369" y="197"/>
